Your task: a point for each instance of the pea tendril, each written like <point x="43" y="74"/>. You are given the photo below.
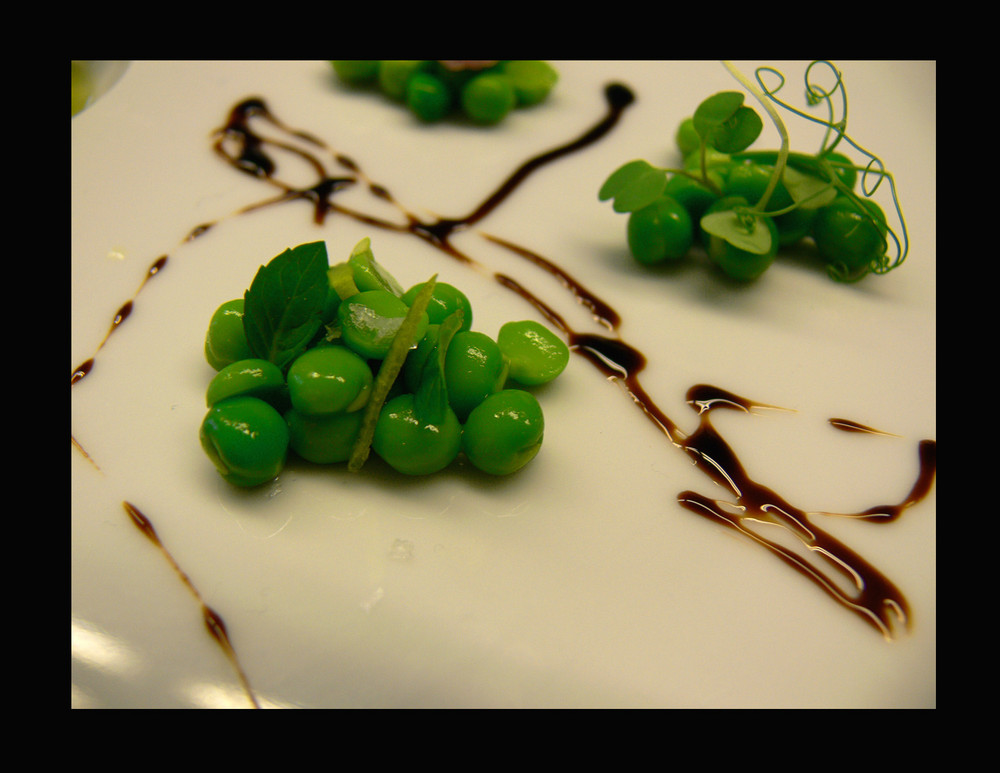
<point x="874" y="168"/>
<point x="779" y="166"/>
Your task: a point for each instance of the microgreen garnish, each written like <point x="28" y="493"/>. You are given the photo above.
<point x="805" y="194"/>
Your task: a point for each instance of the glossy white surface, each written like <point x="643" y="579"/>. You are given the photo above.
<point x="578" y="582"/>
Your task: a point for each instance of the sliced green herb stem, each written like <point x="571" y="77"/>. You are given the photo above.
<point x="387" y="373"/>
<point x="431" y="400"/>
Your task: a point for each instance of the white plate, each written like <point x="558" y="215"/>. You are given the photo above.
<point x="578" y="582"/>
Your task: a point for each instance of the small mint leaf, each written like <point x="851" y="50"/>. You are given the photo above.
<point x="282" y="308"/>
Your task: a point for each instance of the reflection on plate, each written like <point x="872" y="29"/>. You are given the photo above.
<point x="584" y="581"/>
<point x="92" y="80"/>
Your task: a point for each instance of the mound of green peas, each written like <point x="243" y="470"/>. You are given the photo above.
<point x="456" y="391"/>
<point x="848" y="231"/>
<point x="484" y="91"/>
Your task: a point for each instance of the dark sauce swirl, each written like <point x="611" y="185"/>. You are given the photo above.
<point x="876" y="600"/>
<point x="868" y="593"/>
<point x="214" y="623"/>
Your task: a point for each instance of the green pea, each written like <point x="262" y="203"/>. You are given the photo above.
<point x="687" y="138"/>
<point x="474" y="368"/>
<point x="393" y="75"/>
<point x="355" y="70"/>
<point x="326" y="439"/>
<point x="246" y="439"/>
<point x="370" y="320"/>
<point x="225" y="342"/>
<point x="411" y="445"/>
<point x="329" y="379"/>
<point x="535" y="354"/>
<point x="843" y="167"/>
<point x="251" y="377"/>
<point x="660" y="232"/>
<point x="504" y="432"/>
<point x="750" y="180"/>
<point x="488" y="98"/>
<point x="533" y="79"/>
<point x="368" y="273"/>
<point x="445" y="300"/>
<point x="694" y="195"/>
<point x="714" y="159"/>
<point x="849" y="239"/>
<point x="428" y="97"/>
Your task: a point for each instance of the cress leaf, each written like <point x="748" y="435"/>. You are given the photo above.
<point x="738" y="132"/>
<point x="634" y="186"/>
<point x="742" y="231"/>
<point x="282" y="308"/>
<point x="621" y="178"/>
<point x="715" y="111"/>
<point x="807" y="190"/>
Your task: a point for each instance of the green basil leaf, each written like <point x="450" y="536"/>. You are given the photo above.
<point x="282" y="309"/>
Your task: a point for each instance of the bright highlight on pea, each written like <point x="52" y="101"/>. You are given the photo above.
<point x="742" y="208"/>
<point x="483" y="91"/>
<point x="351" y="363"/>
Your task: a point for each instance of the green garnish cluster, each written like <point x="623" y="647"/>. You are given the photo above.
<point x="742" y="206"/>
<point x="483" y="91"/>
<point x="332" y="362"/>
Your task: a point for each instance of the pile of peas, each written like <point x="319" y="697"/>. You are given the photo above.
<point x="483" y="91"/>
<point x="478" y="404"/>
<point x="849" y="232"/>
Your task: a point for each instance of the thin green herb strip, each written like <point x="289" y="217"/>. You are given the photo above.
<point x="431" y="399"/>
<point x="387" y="373"/>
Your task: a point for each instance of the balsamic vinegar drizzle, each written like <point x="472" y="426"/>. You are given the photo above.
<point x="848" y="425"/>
<point x="872" y="596"/>
<point x="213" y="622"/>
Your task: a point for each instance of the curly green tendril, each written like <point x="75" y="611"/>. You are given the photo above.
<point x="872" y="174"/>
<point x="718" y="136"/>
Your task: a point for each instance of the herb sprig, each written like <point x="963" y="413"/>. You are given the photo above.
<point x="283" y="306"/>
